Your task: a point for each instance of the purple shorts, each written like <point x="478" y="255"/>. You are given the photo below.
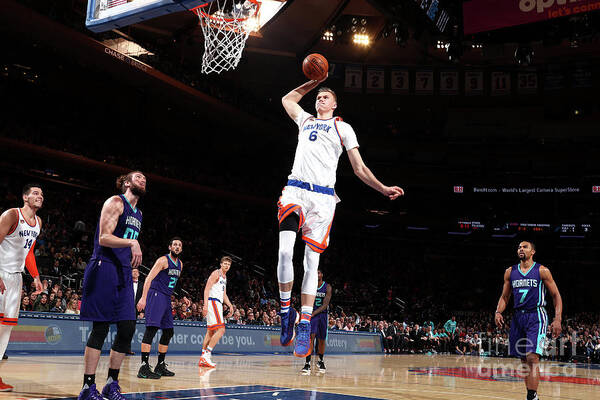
<point x="107" y="293"/>
<point x="158" y="310"/>
<point x="318" y="325"/>
<point x="528" y="332"/>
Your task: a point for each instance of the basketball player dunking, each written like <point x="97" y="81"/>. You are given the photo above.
<point x="528" y="281"/>
<point x="19" y="229"/>
<point x="156" y="299"/>
<point x="308" y="201"/>
<point x="108" y="286"/>
<point x="319" y="323"/>
<point x="215" y="294"/>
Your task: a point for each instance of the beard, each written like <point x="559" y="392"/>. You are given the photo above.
<point x="173" y="254"/>
<point x="137" y="190"/>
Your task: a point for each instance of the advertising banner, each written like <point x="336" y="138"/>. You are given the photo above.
<point x="66" y="334"/>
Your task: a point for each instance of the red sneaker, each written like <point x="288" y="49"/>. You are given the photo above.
<point x="4" y="387"/>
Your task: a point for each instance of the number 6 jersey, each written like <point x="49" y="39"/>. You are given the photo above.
<point x="17" y="244"/>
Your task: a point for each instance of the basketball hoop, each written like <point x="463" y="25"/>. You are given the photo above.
<point x="226" y="25"/>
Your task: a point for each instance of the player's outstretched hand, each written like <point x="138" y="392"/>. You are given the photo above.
<point x="393" y="192"/>
<point x="141" y="305"/>
<point x="499" y="320"/>
<point x="556" y="328"/>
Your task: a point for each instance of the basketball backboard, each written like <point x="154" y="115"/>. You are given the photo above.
<point x="104" y="15"/>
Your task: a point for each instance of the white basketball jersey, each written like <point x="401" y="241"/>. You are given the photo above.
<point x="16" y="245"/>
<point x="320" y="144"/>
<point x="217" y="290"/>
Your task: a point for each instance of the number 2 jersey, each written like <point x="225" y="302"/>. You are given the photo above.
<point x="320" y="144"/>
<point x="128" y="226"/>
<point x="165" y="280"/>
<point x="529" y="291"/>
<point x="17" y="244"/>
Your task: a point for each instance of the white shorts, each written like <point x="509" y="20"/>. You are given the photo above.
<point x="214" y="318"/>
<point x="10" y="300"/>
<point x="316" y="211"/>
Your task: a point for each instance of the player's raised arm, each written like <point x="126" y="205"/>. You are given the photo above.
<point x="109" y="217"/>
<point x="365" y="175"/>
<point x="556" y="298"/>
<point x="159" y="265"/>
<point x="290" y="101"/>
<point x="504" y="298"/>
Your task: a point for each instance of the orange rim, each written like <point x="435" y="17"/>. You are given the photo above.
<point x="198" y="10"/>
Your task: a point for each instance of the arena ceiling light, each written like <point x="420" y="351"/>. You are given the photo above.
<point x="361" y="39"/>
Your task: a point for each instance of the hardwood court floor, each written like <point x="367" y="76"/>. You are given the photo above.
<point x="372" y="376"/>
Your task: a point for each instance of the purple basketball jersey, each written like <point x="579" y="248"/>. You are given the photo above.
<point x="165" y="280"/>
<point x="528" y="288"/>
<point x="128" y="226"/>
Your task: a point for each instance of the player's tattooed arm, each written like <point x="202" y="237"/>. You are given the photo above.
<point x="109" y="217"/>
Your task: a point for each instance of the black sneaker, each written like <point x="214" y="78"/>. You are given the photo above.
<point x="321" y="366"/>
<point x="161" y="370"/>
<point x="145" y="372"/>
<point x="306" y="369"/>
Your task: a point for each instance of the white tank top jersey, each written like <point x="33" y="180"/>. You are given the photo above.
<point x="217" y="290"/>
<point x="16" y="245"/>
<point x="320" y="144"/>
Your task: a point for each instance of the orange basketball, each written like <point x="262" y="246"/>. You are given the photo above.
<point x="315" y="67"/>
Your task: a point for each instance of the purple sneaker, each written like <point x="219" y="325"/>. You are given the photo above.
<point x="112" y="391"/>
<point x="288" y="321"/>
<point x="90" y="393"/>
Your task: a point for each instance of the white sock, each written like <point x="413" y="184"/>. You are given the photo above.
<point x="4" y="338"/>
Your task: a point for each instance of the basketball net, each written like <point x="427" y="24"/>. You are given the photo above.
<point x="226" y="25"/>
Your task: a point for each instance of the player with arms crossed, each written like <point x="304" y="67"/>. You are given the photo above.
<point x="108" y="296"/>
<point x="214" y="296"/>
<point x="319" y="323"/>
<point x="156" y="299"/>
<point x="308" y="201"/>
<point x="528" y="281"/>
<point x="19" y="229"/>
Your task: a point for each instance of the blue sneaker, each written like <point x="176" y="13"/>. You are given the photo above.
<point x="303" y="347"/>
<point x="112" y="391"/>
<point x="90" y="393"/>
<point x="288" y="320"/>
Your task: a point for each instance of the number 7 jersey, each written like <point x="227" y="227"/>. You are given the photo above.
<point x="529" y="291"/>
<point x="17" y="244"/>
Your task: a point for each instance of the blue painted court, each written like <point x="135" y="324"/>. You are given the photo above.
<point x="254" y="392"/>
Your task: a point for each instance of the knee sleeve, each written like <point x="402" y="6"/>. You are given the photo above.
<point x="125" y="331"/>
<point x="149" y="334"/>
<point x="285" y="268"/>
<point x="98" y="335"/>
<point x="166" y="336"/>
<point x="311" y="277"/>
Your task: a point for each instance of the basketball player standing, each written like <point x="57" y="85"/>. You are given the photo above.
<point x="156" y="299"/>
<point x="19" y="229"/>
<point x="107" y="284"/>
<point x="528" y="281"/>
<point x="308" y="201"/>
<point x="215" y="295"/>
<point x="319" y="323"/>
